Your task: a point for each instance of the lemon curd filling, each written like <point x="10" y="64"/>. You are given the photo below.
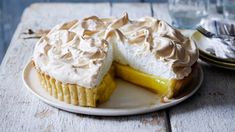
<point x="161" y="86"/>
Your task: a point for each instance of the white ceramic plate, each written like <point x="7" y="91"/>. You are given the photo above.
<point x="127" y="99"/>
<point x="202" y="43"/>
<point x="217" y="63"/>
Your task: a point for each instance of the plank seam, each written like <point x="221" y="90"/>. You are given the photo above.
<point x="151" y="8"/>
<point x="2" y="30"/>
<point x="168" y="121"/>
<point x="111" y="6"/>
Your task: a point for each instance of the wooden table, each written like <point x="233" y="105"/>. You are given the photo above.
<point x="212" y="108"/>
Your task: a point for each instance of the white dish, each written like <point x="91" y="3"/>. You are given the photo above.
<point x="127" y="99"/>
<point x="202" y="43"/>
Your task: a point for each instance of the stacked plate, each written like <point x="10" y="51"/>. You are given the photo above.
<point x="207" y="56"/>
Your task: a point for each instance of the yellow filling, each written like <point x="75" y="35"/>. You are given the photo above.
<point x="156" y="84"/>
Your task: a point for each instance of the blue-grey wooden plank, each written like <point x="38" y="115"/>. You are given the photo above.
<point x="11" y="14"/>
<point x="2" y="46"/>
<point x="165" y="1"/>
<point x="129" y="1"/>
<point x="156" y="1"/>
<point x="84" y="1"/>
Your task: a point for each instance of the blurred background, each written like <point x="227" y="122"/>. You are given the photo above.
<point x="11" y="11"/>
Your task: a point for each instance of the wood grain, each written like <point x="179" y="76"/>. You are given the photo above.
<point x="12" y="10"/>
<point x="125" y="1"/>
<point x="80" y="1"/>
<point x="22" y="111"/>
<point x="212" y="108"/>
<point x="2" y="44"/>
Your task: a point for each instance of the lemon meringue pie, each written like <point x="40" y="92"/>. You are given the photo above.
<point x="151" y="53"/>
<point x="77" y="61"/>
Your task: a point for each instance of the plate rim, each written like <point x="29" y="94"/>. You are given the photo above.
<point x="109" y="111"/>
<point x="216" y="63"/>
<point x="229" y="61"/>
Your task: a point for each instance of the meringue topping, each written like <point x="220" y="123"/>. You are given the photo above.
<point x="73" y="52"/>
<point x="82" y="51"/>
<point x="152" y="46"/>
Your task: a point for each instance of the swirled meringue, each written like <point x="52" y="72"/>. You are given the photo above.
<point x="82" y="51"/>
<point x="152" y="46"/>
<point x="74" y="53"/>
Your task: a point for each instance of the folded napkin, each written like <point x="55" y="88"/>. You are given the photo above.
<point x="222" y="48"/>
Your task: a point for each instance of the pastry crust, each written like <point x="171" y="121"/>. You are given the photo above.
<point x="178" y="86"/>
<point x="77" y="95"/>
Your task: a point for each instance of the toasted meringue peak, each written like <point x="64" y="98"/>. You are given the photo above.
<point x="74" y="53"/>
<point x="152" y="46"/>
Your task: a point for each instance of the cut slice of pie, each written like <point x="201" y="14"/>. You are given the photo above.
<point x="152" y="54"/>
